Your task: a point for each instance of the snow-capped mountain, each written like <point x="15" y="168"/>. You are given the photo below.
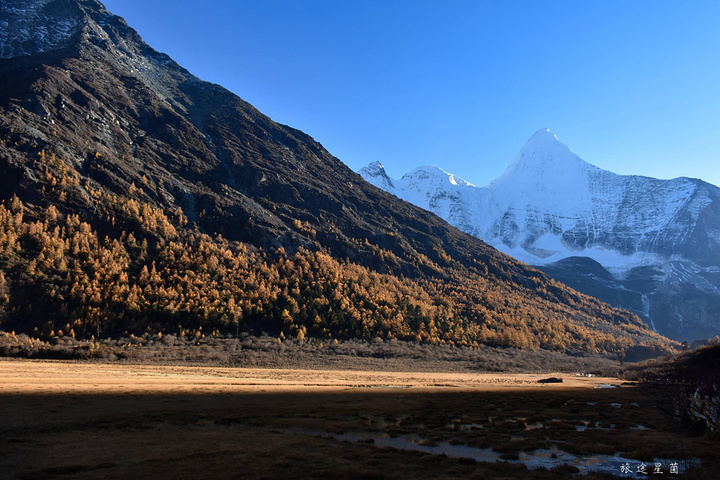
<point x="657" y="241"/>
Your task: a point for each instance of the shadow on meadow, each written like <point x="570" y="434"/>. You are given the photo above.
<point x="351" y="433"/>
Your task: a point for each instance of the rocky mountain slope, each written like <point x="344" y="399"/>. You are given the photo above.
<point x="648" y="245"/>
<point x="138" y="198"/>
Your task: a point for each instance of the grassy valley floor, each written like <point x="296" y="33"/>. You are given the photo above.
<point x="107" y="420"/>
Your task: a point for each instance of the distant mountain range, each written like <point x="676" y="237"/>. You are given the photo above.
<point x="650" y="246"/>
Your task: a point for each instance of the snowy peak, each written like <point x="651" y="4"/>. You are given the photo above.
<point x="544" y="154"/>
<point x="426" y="179"/>
<point x="436" y="175"/>
<point x="376" y="175"/>
<point x="542" y="147"/>
<point x="376" y="168"/>
<point x="550" y="204"/>
<point x="544" y="136"/>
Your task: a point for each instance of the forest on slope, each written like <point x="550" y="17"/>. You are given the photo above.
<point x="59" y="276"/>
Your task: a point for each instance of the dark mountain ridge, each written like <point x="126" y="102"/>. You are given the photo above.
<point x="95" y="123"/>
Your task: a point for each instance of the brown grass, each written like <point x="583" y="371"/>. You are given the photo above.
<point x="270" y="352"/>
<point x="81" y="421"/>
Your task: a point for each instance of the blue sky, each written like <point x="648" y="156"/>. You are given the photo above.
<point x="630" y="86"/>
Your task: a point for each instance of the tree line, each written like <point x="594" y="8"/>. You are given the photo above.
<point x="150" y="272"/>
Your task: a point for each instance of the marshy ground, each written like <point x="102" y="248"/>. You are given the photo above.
<point x="83" y="420"/>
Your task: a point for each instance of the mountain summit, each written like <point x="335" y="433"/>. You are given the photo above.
<point x="542" y="146"/>
<point x="657" y="241"/>
<point x="545" y="154"/>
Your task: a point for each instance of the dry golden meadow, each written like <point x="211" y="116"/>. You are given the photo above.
<point x="75" y="420"/>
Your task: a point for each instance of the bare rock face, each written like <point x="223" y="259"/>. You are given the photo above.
<point x="37" y="26"/>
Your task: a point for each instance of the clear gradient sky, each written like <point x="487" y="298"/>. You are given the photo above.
<point x="630" y="86"/>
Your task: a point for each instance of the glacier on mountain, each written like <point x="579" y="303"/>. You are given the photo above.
<point x="550" y="205"/>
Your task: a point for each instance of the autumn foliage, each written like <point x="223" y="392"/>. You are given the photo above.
<point x="60" y="276"/>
